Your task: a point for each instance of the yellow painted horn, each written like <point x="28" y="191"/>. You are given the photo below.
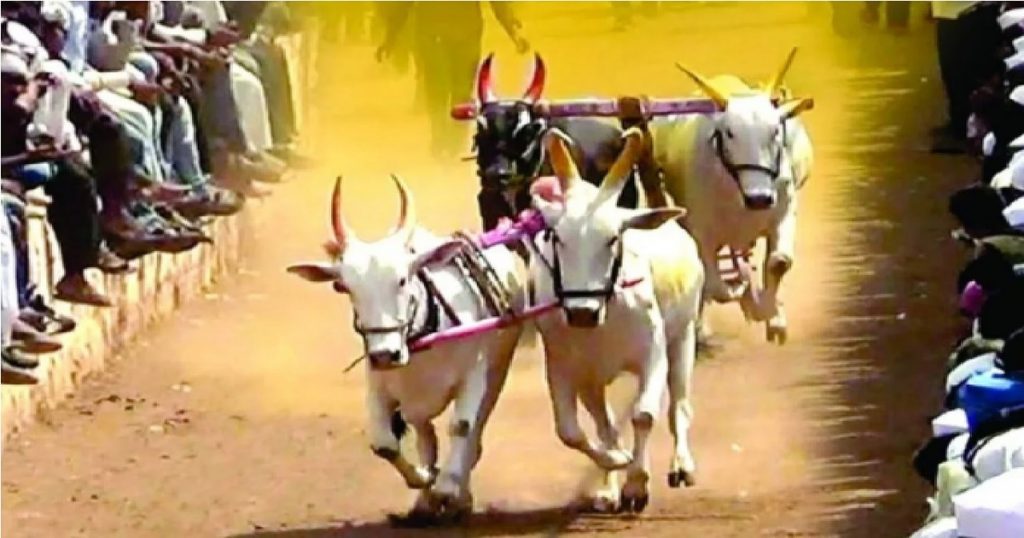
<point x="557" y="146"/>
<point x="776" y="81"/>
<point x="705" y="86"/>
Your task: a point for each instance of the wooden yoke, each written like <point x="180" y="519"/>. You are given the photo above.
<point x="633" y="112"/>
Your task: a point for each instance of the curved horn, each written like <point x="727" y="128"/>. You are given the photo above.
<point x="484" y="85"/>
<point x="407" y="212"/>
<point x="536" y="87"/>
<point x="616" y="177"/>
<point x="706" y="87"/>
<point x="342" y="233"/>
<point x="557" y="144"/>
<point x="776" y="81"/>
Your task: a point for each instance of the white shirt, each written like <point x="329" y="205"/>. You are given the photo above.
<point x="1014" y="214"/>
<point x="211" y="12"/>
<point x="77" y="38"/>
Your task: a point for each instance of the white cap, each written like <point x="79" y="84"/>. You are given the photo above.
<point x="1012" y="175"/>
<point x="22" y="36"/>
<point x="1017" y="95"/>
<point x="1017" y="143"/>
<point x="57" y="11"/>
<point x="1014" y="60"/>
<point x="988" y="144"/>
<point x="1011" y="17"/>
<point x="13" y="63"/>
<point x="1014" y="214"/>
<point x="1018" y="44"/>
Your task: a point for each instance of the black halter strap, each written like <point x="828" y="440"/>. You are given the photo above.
<point x="735" y="169"/>
<point x="562" y="294"/>
<point x="405" y="326"/>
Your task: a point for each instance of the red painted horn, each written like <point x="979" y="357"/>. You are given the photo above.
<point x="536" y="87"/>
<point x="484" y="85"/>
<point x="337" y="221"/>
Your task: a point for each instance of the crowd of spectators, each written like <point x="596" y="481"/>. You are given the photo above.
<point x="975" y="458"/>
<point x="130" y="125"/>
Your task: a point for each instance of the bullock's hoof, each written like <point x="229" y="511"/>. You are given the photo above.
<point x="635" y="493"/>
<point x="453" y="510"/>
<point x="633" y="504"/>
<point x="681" y="478"/>
<point x="613" y="460"/>
<point x="778" y="265"/>
<point x="776" y="331"/>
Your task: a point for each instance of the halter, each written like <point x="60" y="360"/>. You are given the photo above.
<point x="735" y="169"/>
<point x="405" y="326"/>
<point x="561" y="294"/>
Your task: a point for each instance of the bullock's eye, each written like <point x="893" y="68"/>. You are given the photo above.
<point x="728" y="133"/>
<point x="402" y="282"/>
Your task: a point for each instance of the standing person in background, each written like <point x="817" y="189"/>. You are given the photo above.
<point x="447" y="40"/>
<point x="967" y="36"/>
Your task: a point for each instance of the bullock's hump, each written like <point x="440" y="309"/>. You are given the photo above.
<point x="672" y="253"/>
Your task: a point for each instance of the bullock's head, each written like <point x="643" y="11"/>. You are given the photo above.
<point x="587" y="229"/>
<point x="508" y="132"/>
<point x="750" y="136"/>
<point x="380" y="279"/>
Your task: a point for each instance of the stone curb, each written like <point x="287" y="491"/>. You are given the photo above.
<point x="161" y="283"/>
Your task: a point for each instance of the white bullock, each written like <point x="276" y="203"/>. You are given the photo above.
<point x="737" y="173"/>
<point x="394" y="286"/>
<point x="629" y="284"/>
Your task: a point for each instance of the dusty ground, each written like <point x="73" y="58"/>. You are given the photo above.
<point x="235" y="420"/>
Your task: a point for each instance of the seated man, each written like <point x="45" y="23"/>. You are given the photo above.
<point x="73" y="212"/>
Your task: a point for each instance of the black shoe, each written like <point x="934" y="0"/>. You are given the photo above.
<point x="47" y="320"/>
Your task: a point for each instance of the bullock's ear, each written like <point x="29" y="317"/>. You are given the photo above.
<point x="316" y="272"/>
<point x="791" y="109"/>
<point x="439" y="255"/>
<point x="653" y="218"/>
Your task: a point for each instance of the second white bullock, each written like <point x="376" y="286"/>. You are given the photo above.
<point x="403" y="287"/>
<point x="629" y="283"/>
<point x="737" y="173"/>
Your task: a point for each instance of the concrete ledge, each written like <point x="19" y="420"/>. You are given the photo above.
<point x="154" y="291"/>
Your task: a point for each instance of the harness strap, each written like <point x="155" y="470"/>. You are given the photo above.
<point x="434" y="300"/>
<point x="482" y="273"/>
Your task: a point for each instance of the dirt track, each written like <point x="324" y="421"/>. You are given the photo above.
<point x="812" y="439"/>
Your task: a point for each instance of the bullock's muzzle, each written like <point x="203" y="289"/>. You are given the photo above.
<point x="386" y="360"/>
<point x="584" y="317"/>
<point x="759" y="202"/>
